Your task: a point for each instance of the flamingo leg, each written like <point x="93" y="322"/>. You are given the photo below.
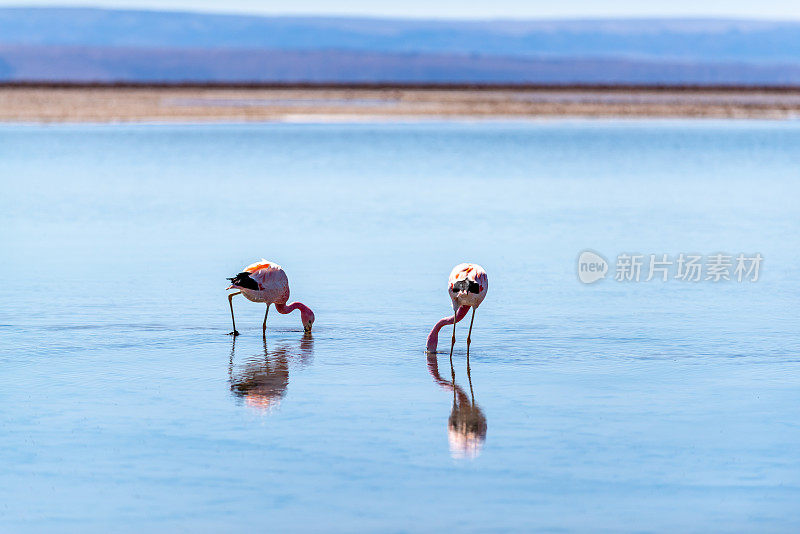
<point x="469" y="336"/>
<point x="453" y="342"/>
<point x="230" y="301"/>
<point x="264" y="326"/>
<point x="471" y="393"/>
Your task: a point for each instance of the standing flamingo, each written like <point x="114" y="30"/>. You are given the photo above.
<point x="265" y="281"/>
<point x="468" y="286"/>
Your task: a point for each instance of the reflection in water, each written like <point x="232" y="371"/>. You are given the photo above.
<point x="466" y="427"/>
<point x="261" y="381"/>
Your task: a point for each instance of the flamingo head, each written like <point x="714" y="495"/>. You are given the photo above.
<point x="307" y="316"/>
<point x="433" y="341"/>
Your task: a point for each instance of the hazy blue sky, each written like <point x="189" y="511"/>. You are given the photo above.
<point x="774" y="9"/>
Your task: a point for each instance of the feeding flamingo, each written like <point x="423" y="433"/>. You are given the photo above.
<point x="265" y="281"/>
<point x="468" y="286"/>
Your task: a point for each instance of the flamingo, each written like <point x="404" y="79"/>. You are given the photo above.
<point x="264" y="281"/>
<point x="468" y="287"/>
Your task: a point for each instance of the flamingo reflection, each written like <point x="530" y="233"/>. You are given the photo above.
<point x="261" y="381"/>
<point x="466" y="427"/>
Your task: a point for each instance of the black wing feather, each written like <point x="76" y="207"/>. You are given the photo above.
<point x="244" y="280"/>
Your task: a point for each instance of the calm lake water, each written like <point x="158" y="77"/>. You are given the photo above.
<point x="650" y="406"/>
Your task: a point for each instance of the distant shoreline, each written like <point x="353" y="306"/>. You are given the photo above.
<point x="770" y="88"/>
<point x="38" y="102"/>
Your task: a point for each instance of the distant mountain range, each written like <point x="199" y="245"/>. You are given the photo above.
<point x="75" y="44"/>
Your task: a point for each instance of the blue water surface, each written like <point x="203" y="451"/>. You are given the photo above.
<point x="617" y="406"/>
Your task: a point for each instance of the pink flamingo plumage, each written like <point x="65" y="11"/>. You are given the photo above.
<point x="468" y="285"/>
<point x="267" y="282"/>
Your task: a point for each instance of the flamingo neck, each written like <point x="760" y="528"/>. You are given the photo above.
<point x="433" y="337"/>
<point x="306" y="315"/>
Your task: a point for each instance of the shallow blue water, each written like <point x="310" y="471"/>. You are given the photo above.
<point x="613" y="406"/>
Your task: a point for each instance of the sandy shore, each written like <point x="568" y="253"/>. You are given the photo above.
<point x="132" y="104"/>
